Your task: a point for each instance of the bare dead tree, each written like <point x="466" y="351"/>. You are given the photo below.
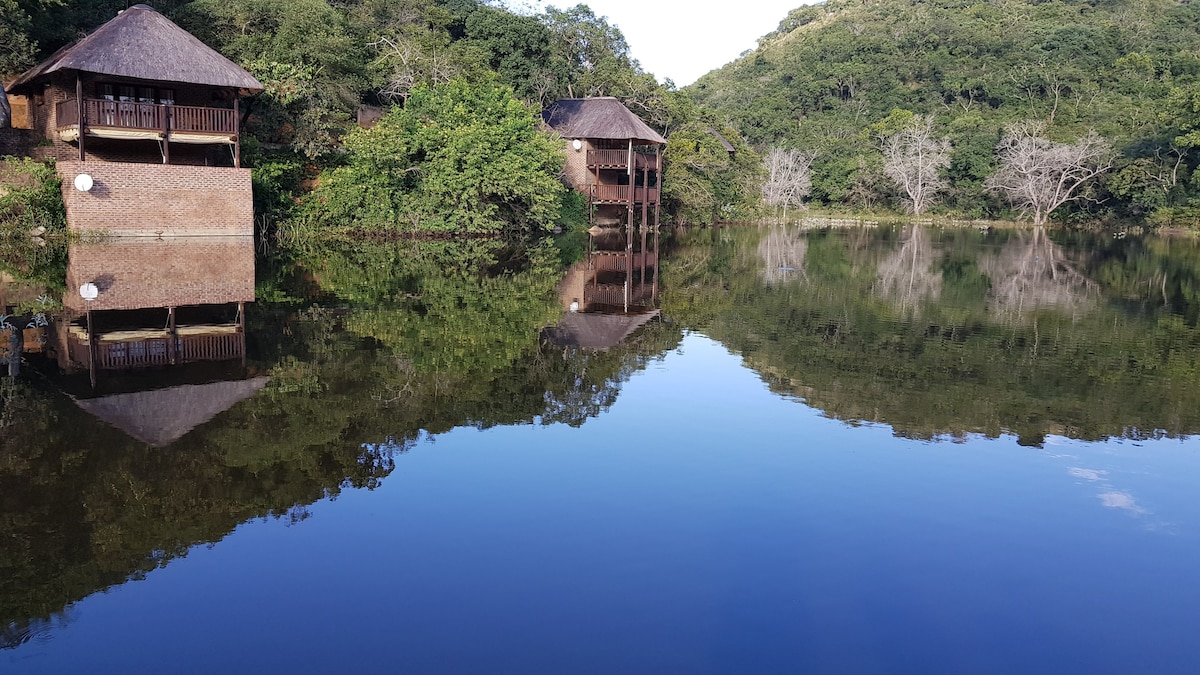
<point x="409" y="65"/>
<point x="1037" y="175"/>
<point x="789" y="178"/>
<point x="1032" y="272"/>
<point x="782" y="252"/>
<point x="914" y="159"/>
<point x="908" y="276"/>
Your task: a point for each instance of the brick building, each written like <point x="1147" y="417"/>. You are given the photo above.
<point x="142" y="92"/>
<point x="612" y="156"/>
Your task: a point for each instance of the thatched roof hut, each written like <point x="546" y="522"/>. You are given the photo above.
<point x="602" y="117"/>
<point x="139" y="43"/>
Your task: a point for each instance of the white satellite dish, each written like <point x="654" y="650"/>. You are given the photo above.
<point x="88" y="291"/>
<point x="577" y="144"/>
<point x="83" y="182"/>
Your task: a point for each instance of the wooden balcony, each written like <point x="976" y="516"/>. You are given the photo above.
<point x="139" y="349"/>
<point x="614" y="295"/>
<point x="619" y="194"/>
<point x="132" y="120"/>
<point x="619" y="159"/>
<point x="619" y="261"/>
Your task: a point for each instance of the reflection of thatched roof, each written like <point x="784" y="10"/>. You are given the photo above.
<point x="600" y="117"/>
<point x="163" y="416"/>
<point x="596" y="331"/>
<point x="143" y="44"/>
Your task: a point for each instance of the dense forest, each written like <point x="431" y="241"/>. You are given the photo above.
<point x="840" y="101"/>
<point x="462" y="84"/>
<point x="837" y="79"/>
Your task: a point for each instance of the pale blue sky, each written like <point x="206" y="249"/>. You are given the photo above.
<point x="684" y="40"/>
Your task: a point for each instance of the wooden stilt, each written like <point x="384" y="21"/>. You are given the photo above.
<point x="237" y="134"/>
<point x="79" y="111"/>
<point x="173" y="354"/>
<point x="93" y="350"/>
<point x="242" y="329"/>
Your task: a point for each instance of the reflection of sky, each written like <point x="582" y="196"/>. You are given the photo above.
<point x="703" y="525"/>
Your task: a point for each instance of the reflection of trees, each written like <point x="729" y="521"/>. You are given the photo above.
<point x="908" y="276"/>
<point x="782" y="253"/>
<point x="1031" y="272"/>
<point x="1111" y="373"/>
<point x="378" y="362"/>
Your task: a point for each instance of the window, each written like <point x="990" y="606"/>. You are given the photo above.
<point x="125" y="93"/>
<point x="145" y="94"/>
<point x="107" y="93"/>
<point x="166" y="96"/>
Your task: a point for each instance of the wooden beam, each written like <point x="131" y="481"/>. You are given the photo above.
<point x="166" y="129"/>
<point x="79" y="111"/>
<point x="93" y="351"/>
<point x="237" y="133"/>
<point x="173" y="354"/>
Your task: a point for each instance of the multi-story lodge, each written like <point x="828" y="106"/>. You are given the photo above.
<point x="145" y="123"/>
<point x="613" y="157"/>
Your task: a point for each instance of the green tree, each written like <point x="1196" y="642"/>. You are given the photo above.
<point x="457" y="157"/>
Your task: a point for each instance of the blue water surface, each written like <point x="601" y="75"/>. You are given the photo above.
<point x="702" y="525"/>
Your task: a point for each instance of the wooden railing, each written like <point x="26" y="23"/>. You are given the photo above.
<point x="210" y="347"/>
<point x="619" y="194"/>
<point x="148" y="116"/>
<point x="160" y="351"/>
<point x="619" y="159"/>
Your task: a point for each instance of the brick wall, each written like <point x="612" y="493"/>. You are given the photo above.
<point x="159" y="200"/>
<point x="142" y="272"/>
<point x="575" y="170"/>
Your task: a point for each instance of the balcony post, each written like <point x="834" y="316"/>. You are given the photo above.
<point x="237" y="134"/>
<point x="166" y="129"/>
<point x="79" y="111"/>
<point x="657" y="202"/>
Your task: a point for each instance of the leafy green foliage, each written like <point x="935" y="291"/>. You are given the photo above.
<point x="827" y="80"/>
<point x="33" y="223"/>
<point x="458" y="157"/>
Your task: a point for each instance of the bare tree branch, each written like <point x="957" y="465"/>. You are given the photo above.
<point x="914" y="159"/>
<point x="1037" y="175"/>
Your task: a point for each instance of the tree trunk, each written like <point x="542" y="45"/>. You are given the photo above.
<point x="5" y="111"/>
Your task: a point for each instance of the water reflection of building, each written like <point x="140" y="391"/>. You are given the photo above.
<point x="160" y="306"/>
<point x="610" y="293"/>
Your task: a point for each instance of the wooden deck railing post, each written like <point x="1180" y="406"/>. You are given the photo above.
<point x="82" y="117"/>
<point x="165" y="111"/>
<point x="237" y="135"/>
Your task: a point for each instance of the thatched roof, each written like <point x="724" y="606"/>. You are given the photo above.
<point x="163" y="416"/>
<point x="142" y="44"/>
<point x="596" y="331"/>
<point x="601" y="117"/>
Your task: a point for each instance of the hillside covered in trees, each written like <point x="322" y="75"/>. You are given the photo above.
<point x="838" y="101"/>
<point x="836" y="79"/>
<point x="464" y="77"/>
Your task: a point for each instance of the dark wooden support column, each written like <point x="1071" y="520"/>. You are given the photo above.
<point x="657" y="202"/>
<point x="643" y="273"/>
<point x="16" y="345"/>
<point x="79" y="112"/>
<point x="645" y="194"/>
<point x="166" y="131"/>
<point x="93" y="350"/>
<point x="632" y="189"/>
<point x="242" y="330"/>
<point x="237" y="134"/>
<point x="173" y="355"/>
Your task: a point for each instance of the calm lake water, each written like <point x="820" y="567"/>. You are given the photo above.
<point x="868" y="450"/>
